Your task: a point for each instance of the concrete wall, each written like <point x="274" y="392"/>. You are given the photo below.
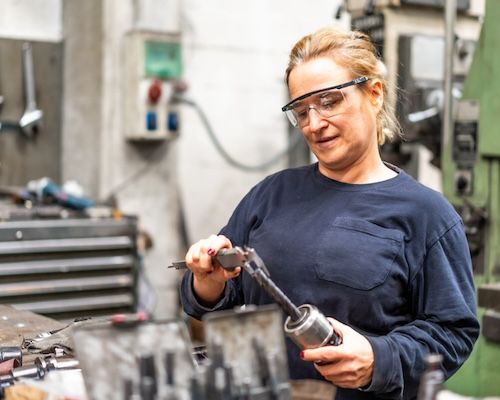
<point x="81" y="132"/>
<point x="235" y="53"/>
<point x="31" y="19"/>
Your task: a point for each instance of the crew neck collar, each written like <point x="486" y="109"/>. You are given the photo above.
<point x="353" y="187"/>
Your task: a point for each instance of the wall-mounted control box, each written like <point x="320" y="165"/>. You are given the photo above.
<point x="152" y="64"/>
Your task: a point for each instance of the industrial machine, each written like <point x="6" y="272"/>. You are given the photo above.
<point x="448" y="104"/>
<point x="471" y="181"/>
<point x="403" y="31"/>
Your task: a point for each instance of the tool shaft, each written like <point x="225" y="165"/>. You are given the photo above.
<point x="275" y="292"/>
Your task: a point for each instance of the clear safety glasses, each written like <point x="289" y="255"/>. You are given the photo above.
<point x="327" y="102"/>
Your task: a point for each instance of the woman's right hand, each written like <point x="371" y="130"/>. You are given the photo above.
<point x="209" y="277"/>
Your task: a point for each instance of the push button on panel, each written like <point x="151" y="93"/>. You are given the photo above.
<point x="154" y="92"/>
<point x="172" y="121"/>
<point x="151" y="121"/>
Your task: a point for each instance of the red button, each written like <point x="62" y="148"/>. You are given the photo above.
<point x="154" y="92"/>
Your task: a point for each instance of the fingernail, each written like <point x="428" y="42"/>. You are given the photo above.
<point x="301" y="354"/>
<point x="211" y="252"/>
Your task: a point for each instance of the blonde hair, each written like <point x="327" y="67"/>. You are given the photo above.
<point x="355" y="51"/>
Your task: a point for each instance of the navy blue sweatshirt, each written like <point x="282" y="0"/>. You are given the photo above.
<point x="390" y="259"/>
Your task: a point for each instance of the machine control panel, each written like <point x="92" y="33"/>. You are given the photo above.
<point x="152" y="64"/>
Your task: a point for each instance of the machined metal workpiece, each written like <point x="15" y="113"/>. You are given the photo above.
<point x="312" y="330"/>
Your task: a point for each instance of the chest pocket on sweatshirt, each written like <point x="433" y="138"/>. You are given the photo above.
<point x="357" y="253"/>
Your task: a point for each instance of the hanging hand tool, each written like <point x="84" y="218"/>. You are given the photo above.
<point x="30" y="120"/>
<point x="305" y="325"/>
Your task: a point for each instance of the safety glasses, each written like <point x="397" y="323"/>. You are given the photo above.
<point x="327" y="102"/>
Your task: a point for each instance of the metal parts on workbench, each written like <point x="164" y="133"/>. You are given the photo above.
<point x="150" y="360"/>
<point x="40" y="367"/>
<point x="246" y="350"/>
<point x="154" y="360"/>
<point x="11" y="352"/>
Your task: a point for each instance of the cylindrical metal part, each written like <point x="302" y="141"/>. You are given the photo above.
<point x="147" y="369"/>
<point x="170" y="368"/>
<point x="128" y="388"/>
<point x="29" y="371"/>
<point x="431" y="381"/>
<point x="312" y="329"/>
<point x="11" y="352"/>
<point x="147" y="387"/>
<point x="6" y="380"/>
<point x="60" y="363"/>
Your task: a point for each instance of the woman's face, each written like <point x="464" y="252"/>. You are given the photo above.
<point x="346" y="143"/>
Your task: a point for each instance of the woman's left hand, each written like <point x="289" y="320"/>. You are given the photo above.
<point x="349" y="365"/>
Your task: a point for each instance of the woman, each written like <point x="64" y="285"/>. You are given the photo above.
<point x="385" y="257"/>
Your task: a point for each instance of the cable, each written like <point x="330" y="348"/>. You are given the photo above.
<point x="248" y="168"/>
<point x="224" y="153"/>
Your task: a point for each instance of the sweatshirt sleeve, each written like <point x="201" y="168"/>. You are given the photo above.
<point x="442" y="295"/>
<point x="194" y="308"/>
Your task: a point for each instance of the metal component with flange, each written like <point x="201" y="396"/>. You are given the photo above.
<point x="38" y="369"/>
<point x="312" y="330"/>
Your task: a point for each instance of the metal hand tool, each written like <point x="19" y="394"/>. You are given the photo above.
<point x="30" y="120"/>
<point x="305" y="324"/>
